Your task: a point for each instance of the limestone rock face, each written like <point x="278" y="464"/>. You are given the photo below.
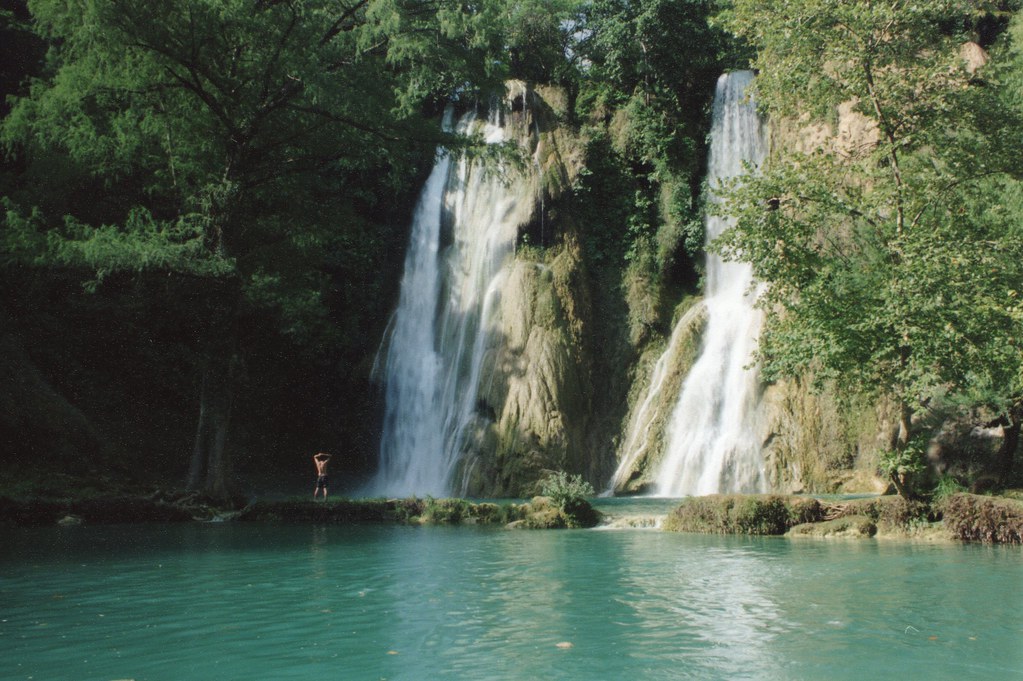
<point x="974" y="56"/>
<point x="852" y="134"/>
<point x="813" y="444"/>
<point x="55" y="431"/>
<point x="533" y="397"/>
<point x="537" y="406"/>
<point x="654" y="392"/>
<point x="533" y="390"/>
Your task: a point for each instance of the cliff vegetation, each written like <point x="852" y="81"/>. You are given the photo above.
<point x="206" y="207"/>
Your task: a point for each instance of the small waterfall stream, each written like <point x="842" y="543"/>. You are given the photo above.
<point x="713" y="435"/>
<point x="643" y="424"/>
<point x="433" y="359"/>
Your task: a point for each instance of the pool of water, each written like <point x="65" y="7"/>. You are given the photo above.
<point x="277" y="601"/>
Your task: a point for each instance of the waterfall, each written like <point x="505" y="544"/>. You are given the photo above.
<point x="644" y="421"/>
<point x="714" y="434"/>
<point x="433" y="358"/>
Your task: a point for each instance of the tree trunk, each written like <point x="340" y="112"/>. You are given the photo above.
<point x="198" y="466"/>
<point x="900" y="479"/>
<point x="901" y="488"/>
<point x="210" y="470"/>
<point x="218" y="471"/>
<point x="905" y="424"/>
<point x="1010" y="444"/>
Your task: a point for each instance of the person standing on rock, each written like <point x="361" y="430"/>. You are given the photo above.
<point x="320" y="460"/>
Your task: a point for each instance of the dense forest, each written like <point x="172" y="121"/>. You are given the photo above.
<point x="206" y="206"/>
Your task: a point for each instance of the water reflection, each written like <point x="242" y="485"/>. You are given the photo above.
<point x="302" y="602"/>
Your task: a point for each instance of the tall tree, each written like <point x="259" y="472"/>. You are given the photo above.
<point x="893" y="260"/>
<point x="231" y="140"/>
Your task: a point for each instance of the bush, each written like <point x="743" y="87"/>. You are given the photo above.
<point x="760" y="514"/>
<point x="904" y="465"/>
<point x="946" y="487"/>
<point x="565" y="490"/>
<point x="986" y="519"/>
<point x="889" y="511"/>
<point x="408" y="510"/>
<point x="445" y="511"/>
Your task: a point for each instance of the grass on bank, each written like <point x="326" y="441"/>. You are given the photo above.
<point x="966" y="517"/>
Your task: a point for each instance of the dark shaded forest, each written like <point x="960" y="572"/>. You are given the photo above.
<point x="206" y="204"/>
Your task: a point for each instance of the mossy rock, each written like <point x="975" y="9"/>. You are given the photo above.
<point x="339" y="511"/>
<point x="542" y="513"/>
<point x="971" y="517"/>
<point x="887" y="512"/>
<point x="445" y="511"/>
<point x="755" y="514"/>
<point x="855" y="526"/>
<point x="94" y="511"/>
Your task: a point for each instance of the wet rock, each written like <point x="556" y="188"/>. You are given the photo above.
<point x="856" y="526"/>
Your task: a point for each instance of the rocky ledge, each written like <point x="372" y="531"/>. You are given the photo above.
<point x="539" y="513"/>
<point x="964" y="517"/>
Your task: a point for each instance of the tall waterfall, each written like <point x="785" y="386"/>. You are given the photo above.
<point x="713" y="435"/>
<point x="463" y="233"/>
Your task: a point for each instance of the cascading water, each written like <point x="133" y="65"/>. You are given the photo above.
<point x="433" y="359"/>
<point x="713" y="436"/>
<point x="640" y="435"/>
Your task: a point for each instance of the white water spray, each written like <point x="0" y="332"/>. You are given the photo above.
<point x="714" y="433"/>
<point x="434" y="355"/>
<point x="643" y="421"/>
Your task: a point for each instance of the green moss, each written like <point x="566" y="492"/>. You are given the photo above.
<point x="890" y="512"/>
<point x="849" y="526"/>
<point x="758" y="514"/>
<point x="971" y="517"/>
<point x="334" y="511"/>
<point x="543" y="513"/>
<point x="445" y="511"/>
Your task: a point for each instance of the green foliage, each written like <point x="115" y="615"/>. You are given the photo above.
<point x="896" y="256"/>
<point x="647" y="72"/>
<point x="408" y="510"/>
<point x="539" y="34"/>
<point x="248" y="131"/>
<point x="140" y="244"/>
<point x="444" y="511"/>
<point x="663" y="47"/>
<point x="905" y="461"/>
<point x="741" y="514"/>
<point x="564" y="489"/>
<point x="974" y="518"/>
<point x="947" y="486"/>
<point x="453" y="511"/>
<point x="439" y="49"/>
<point x="233" y="178"/>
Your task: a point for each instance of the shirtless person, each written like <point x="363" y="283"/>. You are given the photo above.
<point x="320" y="460"/>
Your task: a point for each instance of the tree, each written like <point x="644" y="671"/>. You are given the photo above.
<point x="648" y="71"/>
<point x="540" y="36"/>
<point x="239" y="142"/>
<point x="893" y="261"/>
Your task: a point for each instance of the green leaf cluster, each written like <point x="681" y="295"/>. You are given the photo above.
<point x="236" y="172"/>
<point x="565" y="490"/>
<point x="892" y="259"/>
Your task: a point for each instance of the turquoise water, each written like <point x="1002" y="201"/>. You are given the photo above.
<point x="263" y="601"/>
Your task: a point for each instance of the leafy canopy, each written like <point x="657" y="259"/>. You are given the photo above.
<point x="892" y="253"/>
<point x="249" y="139"/>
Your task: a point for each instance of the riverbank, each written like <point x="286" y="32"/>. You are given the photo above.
<point x="958" y="517"/>
<point x="538" y="513"/>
